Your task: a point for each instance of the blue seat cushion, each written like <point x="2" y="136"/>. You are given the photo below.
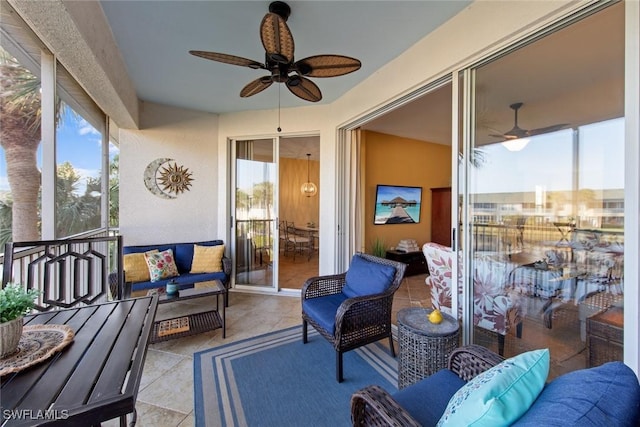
<point x="427" y="399"/>
<point x="607" y="395"/>
<point x="183" y="253"/>
<point x="323" y="310"/>
<point x="185" y="280"/>
<point x="367" y="278"/>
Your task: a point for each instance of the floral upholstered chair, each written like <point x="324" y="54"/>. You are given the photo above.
<point x="494" y="309"/>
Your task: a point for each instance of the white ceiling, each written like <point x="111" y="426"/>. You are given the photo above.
<point x="155" y="37"/>
<point x="572" y="76"/>
<point x="573" y="65"/>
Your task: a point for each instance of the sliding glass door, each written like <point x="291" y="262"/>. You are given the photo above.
<point x="544" y="213"/>
<point x="275" y="242"/>
<point x="255" y="213"/>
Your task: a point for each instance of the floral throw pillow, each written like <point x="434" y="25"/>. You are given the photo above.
<point x="161" y="265"/>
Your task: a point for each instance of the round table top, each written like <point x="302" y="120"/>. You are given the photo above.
<point x="415" y="318"/>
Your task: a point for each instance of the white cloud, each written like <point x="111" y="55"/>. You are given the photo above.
<point x="85" y="128"/>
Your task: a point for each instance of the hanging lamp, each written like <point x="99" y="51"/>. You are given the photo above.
<point x="309" y="188"/>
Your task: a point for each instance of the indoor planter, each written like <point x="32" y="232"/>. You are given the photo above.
<point x="15" y="302"/>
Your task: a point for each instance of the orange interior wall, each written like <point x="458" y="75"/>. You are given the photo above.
<point x="393" y="160"/>
<point x="295" y="206"/>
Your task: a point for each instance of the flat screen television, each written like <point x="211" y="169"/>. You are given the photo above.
<point x="396" y="204"/>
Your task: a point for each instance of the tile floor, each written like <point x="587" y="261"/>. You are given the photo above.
<point x="165" y="398"/>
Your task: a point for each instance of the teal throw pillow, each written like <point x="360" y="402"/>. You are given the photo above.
<point x="500" y="395"/>
<point x="367" y="278"/>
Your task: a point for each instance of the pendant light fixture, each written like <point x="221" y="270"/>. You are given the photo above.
<point x="309" y="188"/>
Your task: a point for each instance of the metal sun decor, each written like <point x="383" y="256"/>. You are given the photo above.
<point x="168" y="181"/>
<point x="309" y="188"/>
<point x="175" y="179"/>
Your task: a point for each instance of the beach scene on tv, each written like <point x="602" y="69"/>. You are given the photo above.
<point x="397" y="205"/>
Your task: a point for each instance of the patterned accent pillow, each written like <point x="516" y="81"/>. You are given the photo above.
<point x="500" y="395"/>
<point x="161" y="265"/>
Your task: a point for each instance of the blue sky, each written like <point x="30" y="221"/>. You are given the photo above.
<point x="387" y="192"/>
<point x="78" y="143"/>
<point x="547" y="162"/>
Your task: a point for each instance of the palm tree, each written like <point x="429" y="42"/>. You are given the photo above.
<point x="6" y="205"/>
<point x="76" y="212"/>
<point x="20" y="117"/>
<point x="114" y="191"/>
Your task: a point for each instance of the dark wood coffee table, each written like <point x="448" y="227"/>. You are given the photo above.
<point x="194" y="323"/>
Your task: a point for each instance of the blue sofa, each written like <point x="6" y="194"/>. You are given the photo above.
<point x="607" y="395"/>
<point x="183" y="255"/>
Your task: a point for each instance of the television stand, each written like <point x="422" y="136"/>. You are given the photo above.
<point x="416" y="263"/>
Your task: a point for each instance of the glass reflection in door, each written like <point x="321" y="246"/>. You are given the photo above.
<point x="546" y="204"/>
<point x="255" y="179"/>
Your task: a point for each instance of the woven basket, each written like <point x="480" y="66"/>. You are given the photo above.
<point x="10" y="333"/>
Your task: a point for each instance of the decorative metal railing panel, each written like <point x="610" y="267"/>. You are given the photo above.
<point x="67" y="272"/>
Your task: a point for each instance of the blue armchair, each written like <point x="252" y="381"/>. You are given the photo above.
<point x="352" y="309"/>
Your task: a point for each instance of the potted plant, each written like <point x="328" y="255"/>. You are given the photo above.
<point x="15" y="302"/>
<point x="378" y="248"/>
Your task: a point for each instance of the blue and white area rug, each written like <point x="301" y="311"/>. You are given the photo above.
<point x="275" y="380"/>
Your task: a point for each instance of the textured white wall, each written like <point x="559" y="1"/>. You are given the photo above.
<point x="189" y="137"/>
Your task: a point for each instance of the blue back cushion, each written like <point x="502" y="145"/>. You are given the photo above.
<point x="427" y="399"/>
<point x="367" y="278"/>
<point x="608" y="395"/>
<point x="138" y="249"/>
<point x="184" y="253"/>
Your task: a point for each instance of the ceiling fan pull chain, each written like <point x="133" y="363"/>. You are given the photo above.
<point x="279" y="128"/>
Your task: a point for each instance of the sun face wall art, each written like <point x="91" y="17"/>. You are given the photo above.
<point x="168" y="181"/>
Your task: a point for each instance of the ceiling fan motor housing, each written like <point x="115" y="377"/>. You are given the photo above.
<point x="281" y="9"/>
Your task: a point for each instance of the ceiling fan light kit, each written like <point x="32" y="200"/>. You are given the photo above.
<point x="279" y="47"/>
<point x="515" y="144"/>
<point x="517" y="138"/>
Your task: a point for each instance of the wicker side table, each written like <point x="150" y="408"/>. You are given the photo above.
<point x="424" y="346"/>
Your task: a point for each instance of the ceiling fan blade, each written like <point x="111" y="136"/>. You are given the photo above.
<point x="547" y="129"/>
<point x="276" y="38"/>
<point x="227" y="59"/>
<point x="327" y="65"/>
<point x="304" y="88"/>
<point x="256" y="86"/>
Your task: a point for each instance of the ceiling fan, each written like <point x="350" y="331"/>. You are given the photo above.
<point x="517" y="132"/>
<point x="279" y="61"/>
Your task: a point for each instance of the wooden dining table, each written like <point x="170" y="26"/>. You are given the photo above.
<point x="93" y="379"/>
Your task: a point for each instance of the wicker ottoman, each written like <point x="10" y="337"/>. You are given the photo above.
<point x="424" y="346"/>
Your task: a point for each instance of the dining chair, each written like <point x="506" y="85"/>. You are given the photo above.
<point x="300" y="243"/>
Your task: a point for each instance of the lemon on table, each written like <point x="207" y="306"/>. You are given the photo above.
<point x="435" y="316"/>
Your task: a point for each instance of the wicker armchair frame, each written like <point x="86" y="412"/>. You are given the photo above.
<point x="374" y="406"/>
<point x="360" y="320"/>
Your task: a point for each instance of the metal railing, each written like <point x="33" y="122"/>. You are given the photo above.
<point x="69" y="271"/>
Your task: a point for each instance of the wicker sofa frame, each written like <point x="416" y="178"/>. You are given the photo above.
<point x="359" y="320"/>
<point x="374" y="406"/>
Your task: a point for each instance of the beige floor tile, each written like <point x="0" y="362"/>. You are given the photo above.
<point x="172" y="390"/>
<point x="157" y="364"/>
<point x="156" y="416"/>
